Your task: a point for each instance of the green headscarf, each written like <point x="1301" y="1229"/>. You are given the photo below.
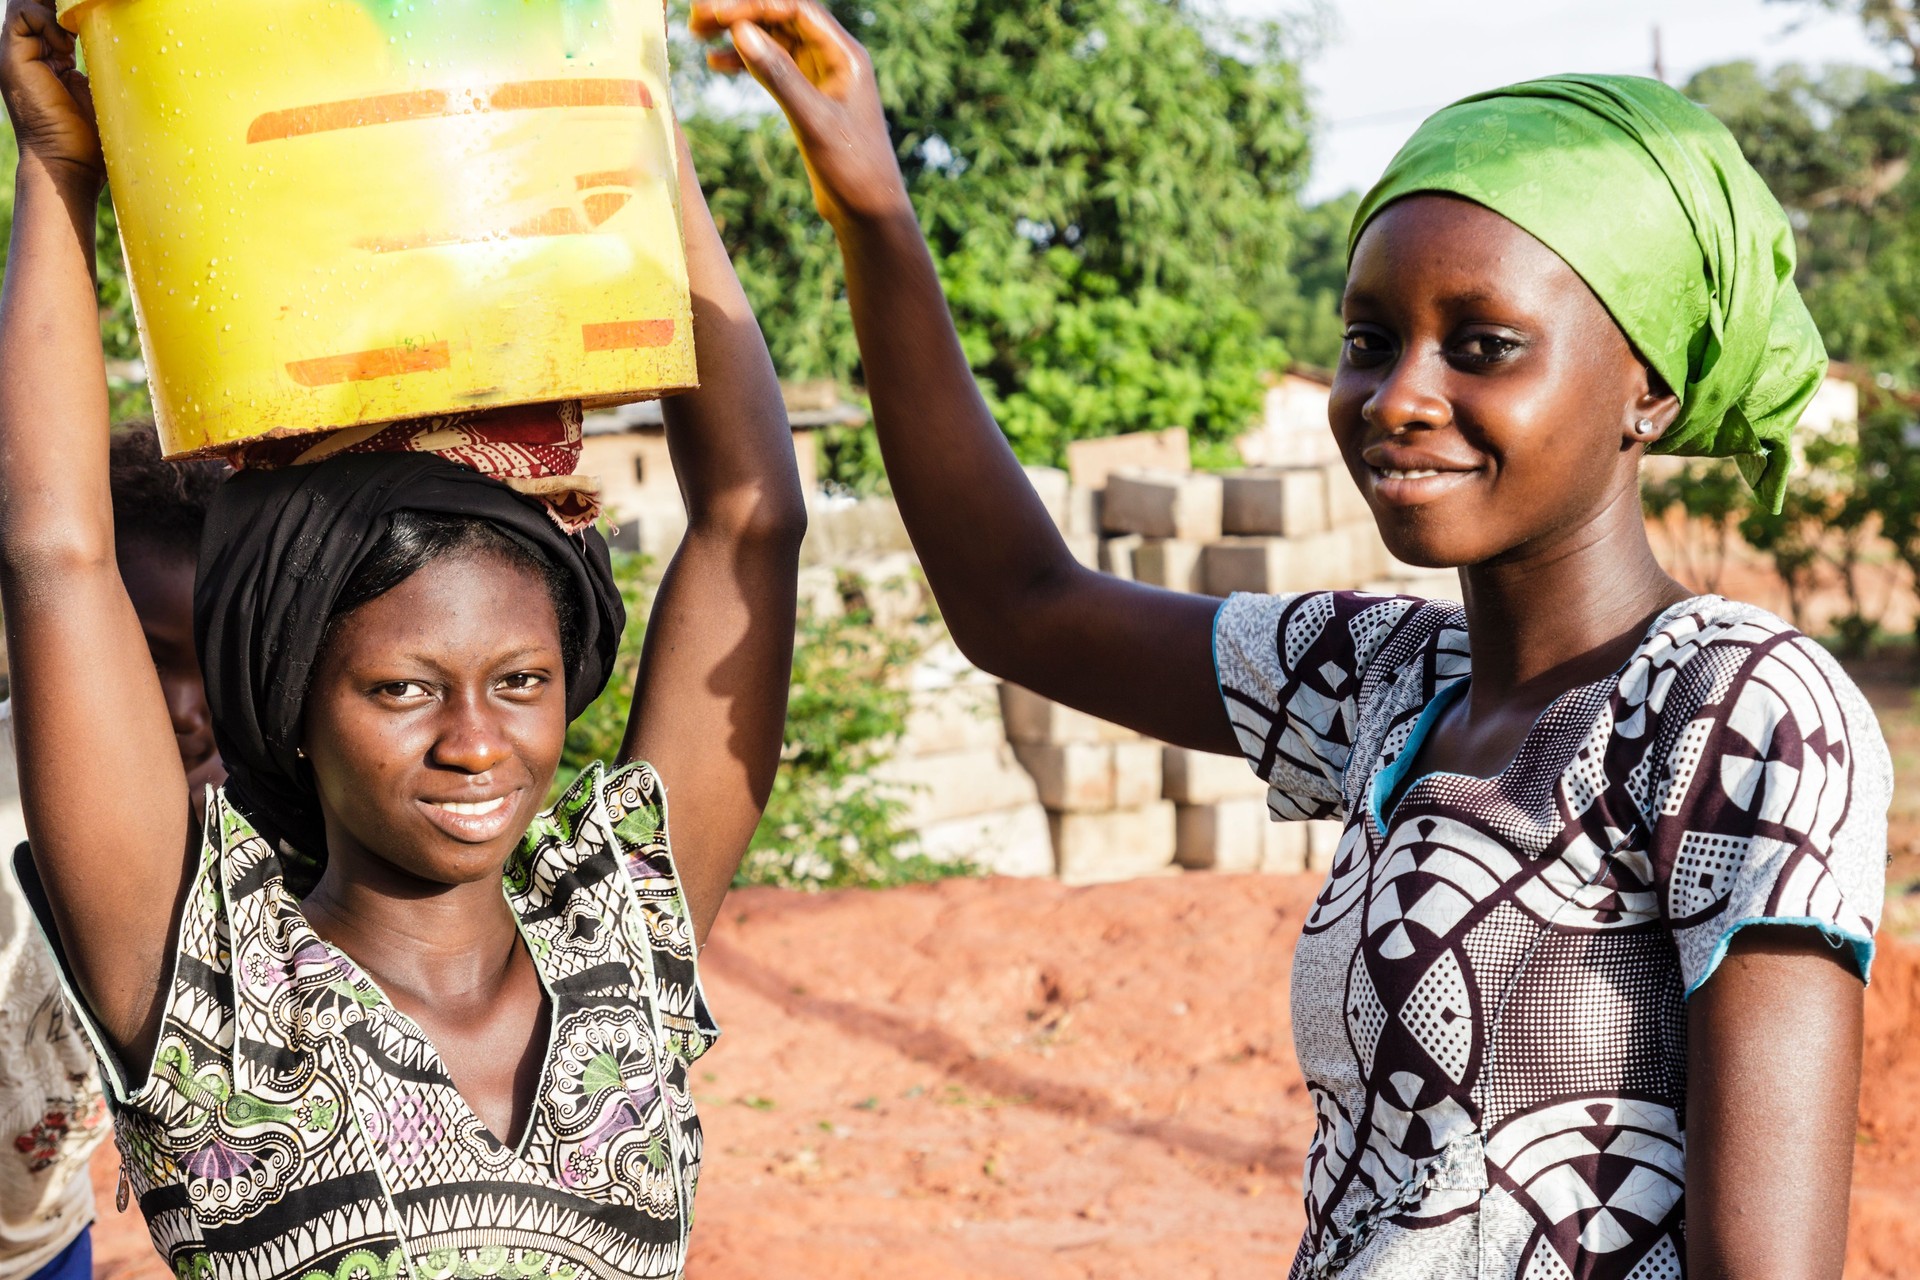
<point x="1649" y="199"/>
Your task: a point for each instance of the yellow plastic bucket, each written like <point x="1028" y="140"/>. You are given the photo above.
<point x="339" y="212"/>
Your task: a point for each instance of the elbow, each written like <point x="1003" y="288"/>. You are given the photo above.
<point x="774" y="522"/>
<point x="55" y="556"/>
<point x="1006" y="634"/>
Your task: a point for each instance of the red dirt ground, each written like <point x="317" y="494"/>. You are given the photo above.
<point x="1009" y="1078"/>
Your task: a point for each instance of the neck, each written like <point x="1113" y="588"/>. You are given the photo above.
<point x="437" y="943"/>
<point x="1547" y="617"/>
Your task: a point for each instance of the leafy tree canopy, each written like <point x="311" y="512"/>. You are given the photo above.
<point x="1110" y="189"/>
<point x="1838" y="147"/>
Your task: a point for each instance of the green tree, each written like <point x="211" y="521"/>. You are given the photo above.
<point x="1109" y="187"/>
<point x="1310" y="324"/>
<point x="1838" y="148"/>
<point x="1894" y="23"/>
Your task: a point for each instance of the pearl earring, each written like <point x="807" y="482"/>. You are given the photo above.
<point x="1643" y="428"/>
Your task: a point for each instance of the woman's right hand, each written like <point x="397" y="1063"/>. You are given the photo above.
<point x="46" y="95"/>
<point x="823" y="79"/>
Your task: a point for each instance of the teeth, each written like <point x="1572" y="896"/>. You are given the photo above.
<point x="1391" y="474"/>
<point x="475" y="810"/>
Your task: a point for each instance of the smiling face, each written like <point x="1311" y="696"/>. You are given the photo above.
<point x="436" y="717"/>
<point x="1485" y="400"/>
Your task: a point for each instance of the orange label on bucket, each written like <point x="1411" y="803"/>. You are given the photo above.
<point x="339" y="213"/>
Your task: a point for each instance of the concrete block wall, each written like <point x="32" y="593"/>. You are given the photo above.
<point x="999" y="776"/>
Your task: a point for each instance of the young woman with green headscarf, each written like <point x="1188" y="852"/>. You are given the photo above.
<point x="1582" y="993"/>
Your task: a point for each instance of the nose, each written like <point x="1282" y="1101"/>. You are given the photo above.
<point x="471" y="740"/>
<point x="1410" y="395"/>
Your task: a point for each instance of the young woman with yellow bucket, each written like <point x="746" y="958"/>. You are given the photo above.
<point x="392" y="1015"/>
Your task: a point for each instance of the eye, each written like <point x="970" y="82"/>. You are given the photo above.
<point x="523" y="682"/>
<point x="402" y="690"/>
<point x="1486" y="348"/>
<point x="1365" y="346"/>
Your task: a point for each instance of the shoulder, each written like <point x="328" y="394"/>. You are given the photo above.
<point x="1743" y="662"/>
<point x="620" y="811"/>
<point x="1276" y="636"/>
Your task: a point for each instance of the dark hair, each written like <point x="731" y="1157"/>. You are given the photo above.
<point x="415" y="538"/>
<point x="160" y="504"/>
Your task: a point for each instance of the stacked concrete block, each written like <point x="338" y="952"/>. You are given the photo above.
<point x="1092" y="777"/>
<point x="1163" y="504"/>
<point x="1274" y="565"/>
<point x="1278" y="502"/>
<point x="1220" y="815"/>
<point x="1073" y="510"/>
<point x="1121" y="844"/>
<point x="1051" y="486"/>
<point x="1091" y="462"/>
<point x="1346" y="505"/>
<point x="1174" y="563"/>
<point x="966" y="795"/>
<point x="1117" y="555"/>
<point x="1101" y="785"/>
<point x="1323" y="843"/>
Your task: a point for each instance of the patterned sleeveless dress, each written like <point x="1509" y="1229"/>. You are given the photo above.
<point x="1489" y="994"/>
<point x="296" y="1126"/>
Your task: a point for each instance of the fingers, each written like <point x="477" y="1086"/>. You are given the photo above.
<point x="770" y="64"/>
<point x="35" y="18"/>
<point x="806" y="21"/>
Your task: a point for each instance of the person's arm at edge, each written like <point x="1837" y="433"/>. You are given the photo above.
<point x="709" y="707"/>
<point x="1014" y="598"/>
<point x="1773" y="1092"/>
<point x="101" y="782"/>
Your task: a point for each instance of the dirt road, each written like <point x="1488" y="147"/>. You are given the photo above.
<point x="1012" y="1079"/>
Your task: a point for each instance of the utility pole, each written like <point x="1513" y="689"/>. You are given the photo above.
<point x="1659" y="62"/>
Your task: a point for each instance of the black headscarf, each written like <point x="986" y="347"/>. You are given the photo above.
<point x="278" y="548"/>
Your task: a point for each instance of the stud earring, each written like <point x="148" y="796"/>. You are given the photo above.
<point x="300" y="752"/>
<point x="1643" y="428"/>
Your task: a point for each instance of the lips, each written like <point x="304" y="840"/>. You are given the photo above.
<point x="472" y="821"/>
<point x="1404" y="477"/>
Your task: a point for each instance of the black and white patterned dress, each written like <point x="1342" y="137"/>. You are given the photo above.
<point x="296" y="1126"/>
<point x="1488" y="999"/>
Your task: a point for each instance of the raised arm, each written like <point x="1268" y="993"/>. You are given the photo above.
<point x="1017" y="602"/>
<point x="100" y="779"/>
<point x="711" y="701"/>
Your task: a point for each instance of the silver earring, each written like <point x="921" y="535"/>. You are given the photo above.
<point x="301" y="752"/>
<point x="1644" y="427"/>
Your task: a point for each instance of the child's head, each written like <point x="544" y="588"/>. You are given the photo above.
<point x="159" y="510"/>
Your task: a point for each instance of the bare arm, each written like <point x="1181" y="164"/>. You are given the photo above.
<point x="1017" y="602"/>
<point x="100" y="778"/>
<point x="711" y="701"/>
<point x="1773" y="1060"/>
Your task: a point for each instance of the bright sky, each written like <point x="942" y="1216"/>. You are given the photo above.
<point x="1387" y="63"/>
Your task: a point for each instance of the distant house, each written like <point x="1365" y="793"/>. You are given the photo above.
<point x="1293" y="428"/>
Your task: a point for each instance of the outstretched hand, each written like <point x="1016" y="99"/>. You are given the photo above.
<point x="46" y="95"/>
<point x="823" y="79"/>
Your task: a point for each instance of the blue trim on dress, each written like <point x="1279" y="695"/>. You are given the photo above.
<point x="1386" y="780"/>
<point x="1213" y="649"/>
<point x="1862" y="946"/>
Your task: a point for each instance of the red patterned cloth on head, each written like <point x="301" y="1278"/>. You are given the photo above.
<point x="532" y="448"/>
